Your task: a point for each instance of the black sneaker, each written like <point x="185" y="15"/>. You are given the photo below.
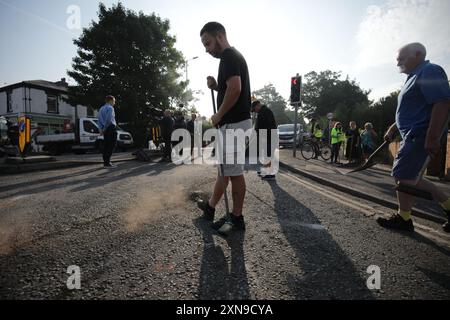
<point x="396" y="222"/>
<point x="219" y="223"/>
<point x="109" y="165"/>
<point x="268" y="177"/>
<point x="230" y="224"/>
<point x="208" y="212"/>
<point x="446" y="226"/>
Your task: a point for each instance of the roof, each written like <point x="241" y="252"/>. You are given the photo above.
<point x="38" y="84"/>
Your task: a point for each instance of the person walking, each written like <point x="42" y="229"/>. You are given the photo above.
<point x="421" y="118"/>
<point x="336" y="141"/>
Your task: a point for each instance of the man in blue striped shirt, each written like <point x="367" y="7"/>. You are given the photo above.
<point x="107" y="124"/>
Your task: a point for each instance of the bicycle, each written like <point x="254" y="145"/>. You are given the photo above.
<point x="312" y="148"/>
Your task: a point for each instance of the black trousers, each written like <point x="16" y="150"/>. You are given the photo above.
<point x="167" y="147"/>
<point x="335" y="151"/>
<point x="109" y="142"/>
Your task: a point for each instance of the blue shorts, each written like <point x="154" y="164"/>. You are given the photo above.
<point x="410" y="158"/>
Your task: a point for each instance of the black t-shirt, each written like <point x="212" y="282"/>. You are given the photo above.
<point x="232" y="63"/>
<point x="266" y="119"/>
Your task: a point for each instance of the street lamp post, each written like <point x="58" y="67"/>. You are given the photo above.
<point x="186" y="66"/>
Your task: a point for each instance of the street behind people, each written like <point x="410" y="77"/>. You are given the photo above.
<point x="368" y="138"/>
<point x="337" y="137"/>
<point x="265" y="121"/>
<point x="107" y="125"/>
<point x="427" y="93"/>
<point x="234" y="103"/>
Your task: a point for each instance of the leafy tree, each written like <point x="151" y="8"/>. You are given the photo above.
<point x="131" y="56"/>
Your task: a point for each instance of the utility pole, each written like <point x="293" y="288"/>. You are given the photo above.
<point x="296" y="101"/>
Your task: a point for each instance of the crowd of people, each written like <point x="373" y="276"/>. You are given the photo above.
<point x="170" y="122"/>
<point x="356" y="143"/>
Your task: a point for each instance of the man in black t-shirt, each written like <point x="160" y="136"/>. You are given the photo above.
<point x="234" y="102"/>
<point x="167" y="127"/>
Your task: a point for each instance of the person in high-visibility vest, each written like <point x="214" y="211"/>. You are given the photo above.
<point x="337" y="137"/>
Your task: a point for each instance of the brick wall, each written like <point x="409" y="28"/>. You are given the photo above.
<point x="433" y="168"/>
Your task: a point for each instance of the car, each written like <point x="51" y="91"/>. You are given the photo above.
<point x="286" y="134"/>
<point x="124" y="139"/>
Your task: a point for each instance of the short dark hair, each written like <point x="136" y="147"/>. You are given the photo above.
<point x="255" y="103"/>
<point x="213" y="28"/>
<point x="109" y="98"/>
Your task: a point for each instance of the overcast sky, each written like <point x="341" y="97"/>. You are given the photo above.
<point x="277" y="38"/>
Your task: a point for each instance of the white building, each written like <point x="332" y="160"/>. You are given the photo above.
<point x="43" y="101"/>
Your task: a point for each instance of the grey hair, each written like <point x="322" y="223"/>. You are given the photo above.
<point x="414" y="48"/>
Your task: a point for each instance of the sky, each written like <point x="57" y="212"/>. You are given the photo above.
<point x="278" y="39"/>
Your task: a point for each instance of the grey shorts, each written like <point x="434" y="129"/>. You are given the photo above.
<point x="410" y="159"/>
<point x="233" y="148"/>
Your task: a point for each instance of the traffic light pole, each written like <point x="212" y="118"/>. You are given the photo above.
<point x="296" y="105"/>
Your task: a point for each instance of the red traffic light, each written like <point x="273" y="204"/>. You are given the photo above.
<point x="294" y="81"/>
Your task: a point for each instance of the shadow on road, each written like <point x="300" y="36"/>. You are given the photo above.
<point x="440" y="279"/>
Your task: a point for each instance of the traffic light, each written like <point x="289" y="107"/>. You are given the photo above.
<point x="296" y="83"/>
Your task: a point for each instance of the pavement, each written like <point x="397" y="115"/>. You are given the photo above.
<point x="132" y="233"/>
<point x="374" y="184"/>
<point x="41" y="163"/>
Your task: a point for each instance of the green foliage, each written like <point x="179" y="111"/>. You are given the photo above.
<point x="131" y="56"/>
<point x="269" y="96"/>
<point x="325" y="92"/>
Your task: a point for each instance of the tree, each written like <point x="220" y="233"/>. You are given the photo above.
<point x="132" y="57"/>
<point x="268" y="95"/>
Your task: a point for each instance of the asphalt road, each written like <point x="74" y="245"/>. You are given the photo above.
<point x="135" y="234"/>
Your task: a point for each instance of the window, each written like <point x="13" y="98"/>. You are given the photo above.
<point x="52" y="104"/>
<point x="9" y="101"/>
<point x="90" y="127"/>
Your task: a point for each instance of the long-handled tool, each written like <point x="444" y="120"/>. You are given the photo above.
<point x="412" y="189"/>
<point x="218" y="151"/>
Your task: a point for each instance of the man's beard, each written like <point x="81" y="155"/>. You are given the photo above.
<point x="401" y="69"/>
